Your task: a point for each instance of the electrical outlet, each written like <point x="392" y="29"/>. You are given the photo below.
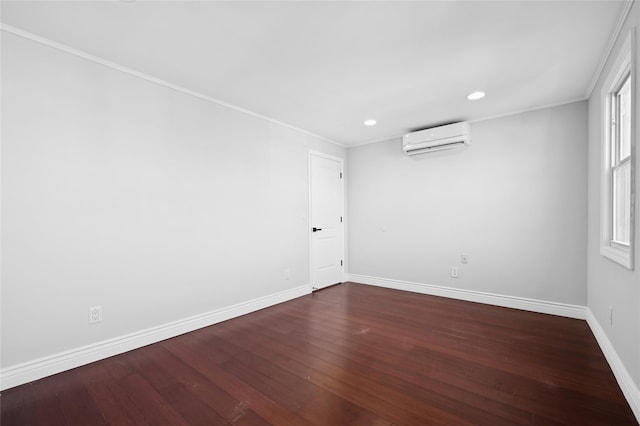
<point x="464" y="258"/>
<point x="610" y="315"/>
<point x="95" y="314"/>
<point x="287" y="274"/>
<point x="454" y="272"/>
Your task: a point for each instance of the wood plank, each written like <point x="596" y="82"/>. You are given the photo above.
<point x="261" y="404"/>
<point x="383" y="391"/>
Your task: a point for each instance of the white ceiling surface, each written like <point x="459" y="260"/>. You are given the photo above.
<point x="325" y="67"/>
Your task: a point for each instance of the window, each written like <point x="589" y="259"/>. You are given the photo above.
<point x="621" y="162"/>
<point x="618" y="170"/>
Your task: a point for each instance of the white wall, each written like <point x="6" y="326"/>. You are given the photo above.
<point x="610" y="284"/>
<point x="515" y="202"/>
<point x="123" y="193"/>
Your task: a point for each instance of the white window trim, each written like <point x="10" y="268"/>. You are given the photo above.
<point x="625" y="62"/>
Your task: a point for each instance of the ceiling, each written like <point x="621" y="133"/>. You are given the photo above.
<point x="325" y="67"/>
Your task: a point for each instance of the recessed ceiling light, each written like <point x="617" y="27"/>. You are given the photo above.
<point x="475" y="96"/>
<point x="370" y="122"/>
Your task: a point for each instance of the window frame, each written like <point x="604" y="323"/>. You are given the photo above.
<point x="622" y="69"/>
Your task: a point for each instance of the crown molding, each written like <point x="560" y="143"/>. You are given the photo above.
<point x="624" y="13"/>
<point x="89" y="57"/>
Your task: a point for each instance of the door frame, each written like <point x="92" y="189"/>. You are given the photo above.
<point x="310" y="221"/>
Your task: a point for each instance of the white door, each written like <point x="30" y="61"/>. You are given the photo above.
<point x="326" y="220"/>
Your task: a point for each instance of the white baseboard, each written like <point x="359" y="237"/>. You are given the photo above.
<point x="627" y="385"/>
<point x="62" y="361"/>
<point x="541" y="306"/>
<point x="56" y="363"/>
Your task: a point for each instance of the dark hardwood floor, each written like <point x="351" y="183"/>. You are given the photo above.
<point x="349" y="354"/>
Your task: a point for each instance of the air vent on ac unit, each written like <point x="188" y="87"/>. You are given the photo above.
<point x="436" y="139"/>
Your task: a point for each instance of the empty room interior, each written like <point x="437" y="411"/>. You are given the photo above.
<point x="319" y="213"/>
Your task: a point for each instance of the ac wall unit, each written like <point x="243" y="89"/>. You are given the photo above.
<point x="436" y="139"/>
